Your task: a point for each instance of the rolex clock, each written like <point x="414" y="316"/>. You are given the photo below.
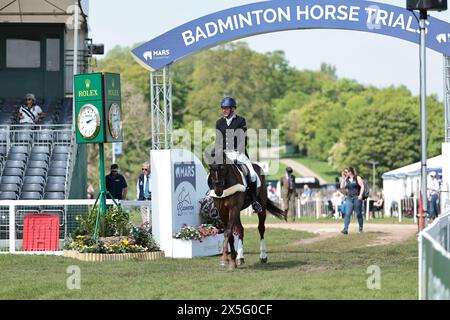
<point x="89" y="108"/>
<point x="115" y="120"/>
<point x="113" y="108"/>
<point x="88" y="121"/>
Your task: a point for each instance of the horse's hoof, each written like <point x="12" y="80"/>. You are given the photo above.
<point x="232" y="266"/>
<point x="263" y="260"/>
<point x="223" y="263"/>
<point x="240" y="261"/>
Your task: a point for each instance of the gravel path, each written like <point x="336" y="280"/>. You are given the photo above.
<point x="389" y="233"/>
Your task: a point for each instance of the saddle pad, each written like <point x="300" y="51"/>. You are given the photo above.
<point x="258" y="181"/>
<point x="228" y="192"/>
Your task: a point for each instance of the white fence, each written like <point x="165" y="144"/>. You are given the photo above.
<point x="434" y="260"/>
<point x="13" y="212"/>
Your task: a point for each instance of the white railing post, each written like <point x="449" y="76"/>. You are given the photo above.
<point x="415" y="209"/>
<point x="12" y="228"/>
<point x="400" y="212"/>
<point x="317" y="209"/>
<point x="298" y="208"/>
<point x="367" y="209"/>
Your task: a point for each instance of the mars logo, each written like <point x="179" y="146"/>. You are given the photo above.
<point x="156" y="54"/>
<point x="443" y="38"/>
<point x="185" y="188"/>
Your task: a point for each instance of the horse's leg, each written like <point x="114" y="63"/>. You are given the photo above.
<point x="240" y="252"/>
<point x="224" y="258"/>
<point x="233" y="222"/>
<point x="262" y="242"/>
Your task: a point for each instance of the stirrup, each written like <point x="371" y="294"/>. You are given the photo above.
<point x="257" y="207"/>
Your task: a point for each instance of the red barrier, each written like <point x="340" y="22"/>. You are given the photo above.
<point x="41" y="232"/>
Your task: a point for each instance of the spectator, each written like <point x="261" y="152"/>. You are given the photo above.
<point x="90" y="191"/>
<point x="116" y="184"/>
<point x="287" y="184"/>
<point x="271" y="192"/>
<point x="143" y="190"/>
<point x="379" y="204"/>
<point x="30" y="113"/>
<point x="306" y="195"/>
<point x="337" y="201"/>
<point x="433" y="196"/>
<point x="354" y="187"/>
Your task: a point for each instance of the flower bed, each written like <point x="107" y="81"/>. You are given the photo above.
<point x="117" y="238"/>
<point x="100" y="257"/>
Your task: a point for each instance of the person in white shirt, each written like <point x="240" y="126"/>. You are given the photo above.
<point x="433" y="195"/>
<point x="30" y="113"/>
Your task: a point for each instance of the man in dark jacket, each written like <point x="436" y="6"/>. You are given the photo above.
<point x="231" y="139"/>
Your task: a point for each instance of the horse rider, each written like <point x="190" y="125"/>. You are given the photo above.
<point x="231" y="139"/>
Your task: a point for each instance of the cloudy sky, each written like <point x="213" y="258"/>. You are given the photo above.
<point x="369" y="58"/>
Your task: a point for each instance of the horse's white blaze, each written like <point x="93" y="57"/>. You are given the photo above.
<point x="262" y="249"/>
<point x="240" y="251"/>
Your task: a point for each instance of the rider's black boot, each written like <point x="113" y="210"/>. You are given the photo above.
<point x="253" y="194"/>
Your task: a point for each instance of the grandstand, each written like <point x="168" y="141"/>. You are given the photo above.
<point x="37" y="45"/>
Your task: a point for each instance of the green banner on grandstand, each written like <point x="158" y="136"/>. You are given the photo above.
<point x="436" y="275"/>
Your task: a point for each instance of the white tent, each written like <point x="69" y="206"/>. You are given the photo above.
<point x="404" y="182"/>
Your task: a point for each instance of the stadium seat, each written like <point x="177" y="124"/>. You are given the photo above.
<point x="12" y="172"/>
<point x="9" y="187"/>
<point x="32" y="187"/>
<point x="31" y="196"/>
<point x="41" y="149"/>
<point x="39" y="157"/>
<point x="15" y="164"/>
<point x="35" y="172"/>
<point x="60" y="156"/>
<point x="11" y="179"/>
<point x="56" y="180"/>
<point x="61" y="149"/>
<point x="43" y="136"/>
<point x="19" y="149"/>
<point x="54" y="187"/>
<point x="58" y="164"/>
<point x="37" y="164"/>
<point x="18" y="156"/>
<point x="54" y="195"/>
<point x="8" y="196"/>
<point x="33" y="180"/>
<point x="57" y="172"/>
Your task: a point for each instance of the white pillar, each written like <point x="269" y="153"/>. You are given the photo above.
<point x="317" y="209"/>
<point x="12" y="228"/>
<point x="415" y="209"/>
<point x="367" y="209"/>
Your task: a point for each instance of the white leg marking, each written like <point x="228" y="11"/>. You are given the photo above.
<point x="240" y="251"/>
<point x="262" y="249"/>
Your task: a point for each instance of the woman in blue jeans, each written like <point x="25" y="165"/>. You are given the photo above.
<point x="354" y="188"/>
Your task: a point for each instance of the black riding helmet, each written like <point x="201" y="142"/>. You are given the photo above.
<point x="228" y="102"/>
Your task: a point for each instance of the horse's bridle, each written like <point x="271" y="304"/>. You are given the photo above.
<point x="215" y="180"/>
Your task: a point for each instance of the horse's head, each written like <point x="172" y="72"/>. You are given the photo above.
<point x="217" y="173"/>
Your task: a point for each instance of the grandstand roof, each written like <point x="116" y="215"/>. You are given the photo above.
<point x="40" y="11"/>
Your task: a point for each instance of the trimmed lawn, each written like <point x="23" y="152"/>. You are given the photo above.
<point x="331" y="269"/>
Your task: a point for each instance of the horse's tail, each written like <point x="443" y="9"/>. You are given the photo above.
<point x="274" y="210"/>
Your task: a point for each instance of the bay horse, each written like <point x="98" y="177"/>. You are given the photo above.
<point x="223" y="178"/>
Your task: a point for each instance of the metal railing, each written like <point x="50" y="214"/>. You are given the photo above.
<point x="29" y="136"/>
<point x="434" y="260"/>
<point x="13" y="213"/>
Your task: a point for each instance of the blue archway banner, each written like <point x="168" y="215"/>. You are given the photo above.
<point x="278" y="15"/>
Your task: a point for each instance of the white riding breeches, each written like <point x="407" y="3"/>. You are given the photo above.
<point x="242" y="158"/>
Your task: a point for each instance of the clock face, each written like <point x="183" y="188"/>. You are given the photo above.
<point x="88" y="121"/>
<point x="115" y="120"/>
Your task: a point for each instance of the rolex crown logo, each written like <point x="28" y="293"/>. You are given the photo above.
<point x="87" y="83"/>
